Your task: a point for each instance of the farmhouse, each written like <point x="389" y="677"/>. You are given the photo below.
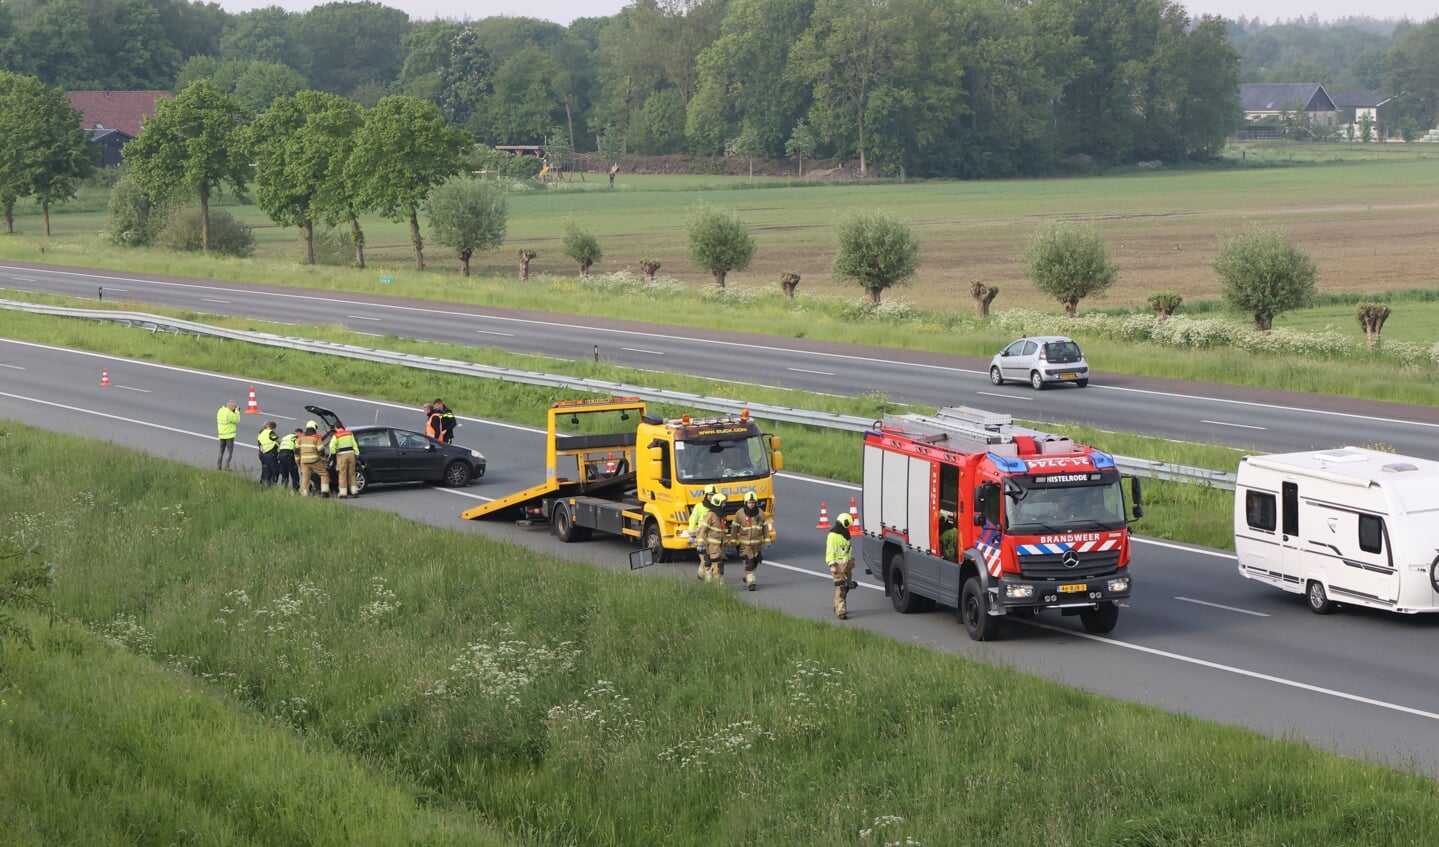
<point x="1266" y="105"/>
<point x="114" y="117"/>
<point x="1358" y="110"/>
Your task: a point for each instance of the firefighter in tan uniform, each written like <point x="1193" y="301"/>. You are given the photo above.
<point x="749" y="530"/>
<point x="696" y="513"/>
<point x="309" y="449"/>
<point x="839" y="555"/>
<point x="711" y="539"/>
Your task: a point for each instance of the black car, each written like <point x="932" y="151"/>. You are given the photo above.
<point x="390" y="455"/>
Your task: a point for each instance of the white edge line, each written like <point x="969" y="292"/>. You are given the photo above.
<point x="1240" y="425"/>
<point x="639" y="350"/>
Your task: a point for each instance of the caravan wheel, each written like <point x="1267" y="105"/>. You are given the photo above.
<point x="1319" y="602"/>
<point x="1434" y="573"/>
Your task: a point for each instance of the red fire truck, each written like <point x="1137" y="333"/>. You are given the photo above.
<point x="965" y="509"/>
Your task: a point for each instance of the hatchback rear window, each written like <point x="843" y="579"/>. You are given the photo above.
<point x="1062" y="351"/>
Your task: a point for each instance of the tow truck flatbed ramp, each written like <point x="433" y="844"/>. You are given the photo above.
<point x="517" y="500"/>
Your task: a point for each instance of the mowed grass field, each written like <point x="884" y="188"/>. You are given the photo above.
<point x="1371" y="223"/>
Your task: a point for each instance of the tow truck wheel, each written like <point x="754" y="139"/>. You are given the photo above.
<point x="974" y="612"/>
<point x="564" y="526"/>
<point x="655" y="541"/>
<point x="1319" y="602"/>
<point x="1100" y="620"/>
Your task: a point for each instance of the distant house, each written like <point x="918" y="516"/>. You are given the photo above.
<point x="1355" y="106"/>
<point x="1270" y="99"/>
<point x="109" y="142"/>
<point x="116" y="111"/>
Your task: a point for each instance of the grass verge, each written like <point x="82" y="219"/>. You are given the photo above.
<point x="1188" y="513"/>
<point x="564" y="704"/>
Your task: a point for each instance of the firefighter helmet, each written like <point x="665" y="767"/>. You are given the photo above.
<point x="718" y="499"/>
<point x="844" y="520"/>
<point x="751" y="498"/>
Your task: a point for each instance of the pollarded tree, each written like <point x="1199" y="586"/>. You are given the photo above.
<point x="195" y="143"/>
<point x="45" y="152"/>
<point x="1263" y="274"/>
<point x="1069" y="262"/>
<point x="876" y="249"/>
<point x="581" y="246"/>
<point x="719" y="241"/>
<point x="469" y="216"/>
<point x="404" y="149"/>
<point x="1372" y="317"/>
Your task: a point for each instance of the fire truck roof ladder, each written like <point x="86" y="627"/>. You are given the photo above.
<point x="975" y="426"/>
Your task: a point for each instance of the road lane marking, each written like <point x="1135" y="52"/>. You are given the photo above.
<point x="23" y="278"/>
<point x="638" y="350"/>
<point x="1005" y="396"/>
<point x="492" y="332"/>
<point x="211" y="300"/>
<point x="1222" y="606"/>
<point x="808" y="371"/>
<point x="12" y="367"/>
<point x="364" y="318"/>
<point x="372" y="334"/>
<point x="131" y="388"/>
<point x="93" y="413"/>
<point x="1240" y="425"/>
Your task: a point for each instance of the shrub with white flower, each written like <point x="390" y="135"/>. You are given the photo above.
<point x="503" y="669"/>
<point x="700" y="753"/>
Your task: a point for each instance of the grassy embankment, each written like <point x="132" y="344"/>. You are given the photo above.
<point x="261" y="670"/>
<point x="1181" y="512"/>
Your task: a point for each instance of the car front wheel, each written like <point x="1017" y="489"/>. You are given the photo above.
<point x="995" y="376"/>
<point x="457" y="474"/>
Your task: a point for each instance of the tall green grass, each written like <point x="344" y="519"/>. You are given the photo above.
<point x="561" y="703"/>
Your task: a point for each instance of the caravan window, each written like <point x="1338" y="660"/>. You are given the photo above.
<point x="1371" y="533"/>
<point x="1259" y="510"/>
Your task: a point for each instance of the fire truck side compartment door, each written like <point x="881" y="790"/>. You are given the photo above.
<point x="873" y="467"/>
<point x="919" y="517"/>
<point x="894" y="491"/>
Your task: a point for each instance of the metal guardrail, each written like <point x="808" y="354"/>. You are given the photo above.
<point x="827" y="420"/>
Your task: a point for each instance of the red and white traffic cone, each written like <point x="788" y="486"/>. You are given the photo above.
<point x="854" y="529"/>
<point x="610" y="465"/>
<point x="823" y="517"/>
<point x="252" y="408"/>
<point x="104" y="377"/>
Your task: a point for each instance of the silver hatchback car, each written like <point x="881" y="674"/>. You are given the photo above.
<point x="1040" y="360"/>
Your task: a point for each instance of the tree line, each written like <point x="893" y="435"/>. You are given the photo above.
<point x="958" y="88"/>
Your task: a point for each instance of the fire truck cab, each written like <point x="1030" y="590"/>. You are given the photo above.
<point x="965" y="509"/>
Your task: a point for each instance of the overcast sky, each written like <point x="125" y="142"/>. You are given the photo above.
<point x="564" y="11"/>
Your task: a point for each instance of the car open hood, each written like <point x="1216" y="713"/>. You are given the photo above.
<point x="326" y="417"/>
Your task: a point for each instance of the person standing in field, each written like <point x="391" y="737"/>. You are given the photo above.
<point x="227" y="420"/>
<point x="839" y="556"/>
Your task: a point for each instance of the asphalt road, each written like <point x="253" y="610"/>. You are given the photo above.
<point x="1196" y="639"/>
<point x="1254" y="419"/>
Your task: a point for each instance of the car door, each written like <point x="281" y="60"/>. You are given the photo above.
<point x="419" y="456"/>
<point x="1014" y="361"/>
<point x="378" y="453"/>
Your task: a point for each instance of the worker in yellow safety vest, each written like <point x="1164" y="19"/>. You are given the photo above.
<point x="347" y="457"/>
<point x="227" y="419"/>
<point x="269" y="454"/>
<point x="289" y="471"/>
<point x="839" y="556"/>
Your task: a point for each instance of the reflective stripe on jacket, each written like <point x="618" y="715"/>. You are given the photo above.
<point x="226" y="421"/>
<point x="309" y="448"/>
<point x="837" y="549"/>
<point x="287" y="444"/>
<point x="749" y="530"/>
<point x="712" y="531"/>
<point x="344" y="442"/>
<point x="270" y="444"/>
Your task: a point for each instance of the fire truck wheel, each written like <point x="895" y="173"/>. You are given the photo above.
<point x="974" y="612"/>
<point x="1100" y="620"/>
<point x="904" y="601"/>
<point x="564" y="526"/>
<point x="655" y="541"/>
<point x="1319" y="602"/>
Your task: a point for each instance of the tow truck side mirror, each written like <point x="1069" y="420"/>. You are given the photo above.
<point x="655" y="457"/>
<point x="776" y="461"/>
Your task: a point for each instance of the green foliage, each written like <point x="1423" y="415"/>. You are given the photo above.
<point x="1263" y="274"/>
<point x="875" y="249"/>
<point x="1165" y="302"/>
<point x="262" y="83"/>
<point x="581" y="246"/>
<point x="748" y="145"/>
<point x="45" y="153"/>
<point x="25" y="582"/>
<point x="227" y="236"/>
<point x="133" y="219"/>
<point x="468" y="216"/>
<point x="662" y="123"/>
<point x="466" y="80"/>
<point x="612" y="145"/>
<point x="1069" y="262"/>
<point x="719" y="242"/>
<point x="802" y="143"/>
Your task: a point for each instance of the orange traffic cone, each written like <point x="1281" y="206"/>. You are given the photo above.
<point x="854" y="529"/>
<point x="610" y="466"/>
<point x="252" y="408"/>
<point x="104" y="377"/>
<point x="823" y="517"/>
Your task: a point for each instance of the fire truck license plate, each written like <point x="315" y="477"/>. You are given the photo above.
<point x="1077" y="588"/>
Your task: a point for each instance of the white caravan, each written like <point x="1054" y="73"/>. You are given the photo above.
<point x="1351" y="525"/>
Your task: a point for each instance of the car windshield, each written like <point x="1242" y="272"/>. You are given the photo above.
<point x="709" y="461"/>
<point x="1057" y="352"/>
<point x="1078" y="507"/>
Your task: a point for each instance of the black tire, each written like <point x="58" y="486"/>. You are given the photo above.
<point x="360" y="482"/>
<point x="1319" y="602"/>
<point x="564" y="526"/>
<point x="974" y="612"/>
<point x="896" y="588"/>
<point x="1080" y="383"/>
<point x="1434" y="573"/>
<point x="655" y="541"/>
<point x="1100" y="620"/>
<point x="1036" y="381"/>
<point x="995" y="376"/>
<point x="457" y="474"/>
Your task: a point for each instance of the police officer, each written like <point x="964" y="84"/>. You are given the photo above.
<point x="697" y="512"/>
<point x="269" y="454"/>
<point x="712" y="537"/>
<point x="839" y="555"/>
<point x="347" y="456"/>
<point x="289" y="471"/>
<point x="445" y="431"/>
<point x="749" y="530"/>
<point x="312" y="459"/>
<point x="227" y="419"/>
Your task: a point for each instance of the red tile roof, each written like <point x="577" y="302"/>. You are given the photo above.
<point x="122" y="110"/>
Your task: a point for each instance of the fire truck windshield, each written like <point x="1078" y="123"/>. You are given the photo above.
<point x="1057" y="508"/>
<point x="731" y="458"/>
